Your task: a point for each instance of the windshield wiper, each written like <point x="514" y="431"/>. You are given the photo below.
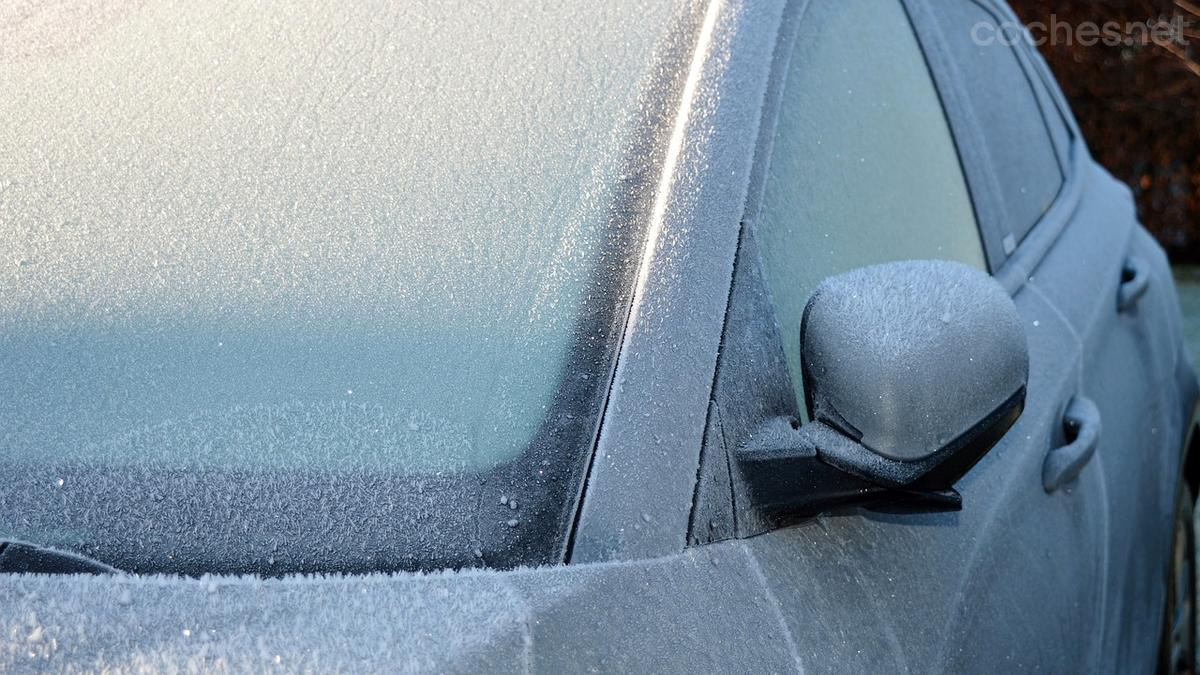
<point x="18" y="556"/>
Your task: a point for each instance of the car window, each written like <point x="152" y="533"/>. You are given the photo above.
<point x="1051" y="97"/>
<point x="1007" y="110"/>
<point x="330" y="290"/>
<point x="863" y="167"/>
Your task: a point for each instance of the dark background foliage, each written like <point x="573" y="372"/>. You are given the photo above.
<point x="1138" y="103"/>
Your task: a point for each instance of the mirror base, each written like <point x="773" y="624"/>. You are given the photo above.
<point x="817" y="468"/>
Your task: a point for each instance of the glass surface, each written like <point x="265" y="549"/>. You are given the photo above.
<point x="863" y="167"/>
<point x="252" y="252"/>
<point x="1007" y="109"/>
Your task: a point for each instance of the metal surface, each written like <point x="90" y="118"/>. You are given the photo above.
<point x="1018" y="580"/>
<point x="638" y="498"/>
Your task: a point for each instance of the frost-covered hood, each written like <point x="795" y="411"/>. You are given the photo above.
<point x="696" y="612"/>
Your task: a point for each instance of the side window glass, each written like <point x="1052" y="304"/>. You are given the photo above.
<point x="863" y="166"/>
<point x="1049" y="91"/>
<point x="1007" y="109"/>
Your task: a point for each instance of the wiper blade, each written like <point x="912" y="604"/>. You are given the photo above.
<point x="18" y="556"/>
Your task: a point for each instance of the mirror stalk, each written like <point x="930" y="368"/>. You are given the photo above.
<point x="789" y="474"/>
<point x="816" y="468"/>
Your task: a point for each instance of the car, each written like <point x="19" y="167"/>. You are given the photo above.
<point x="771" y="336"/>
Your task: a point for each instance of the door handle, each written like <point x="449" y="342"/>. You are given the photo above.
<point x="1081" y="424"/>
<point x="1135" y="280"/>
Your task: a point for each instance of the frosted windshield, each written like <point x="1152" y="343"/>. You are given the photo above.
<point x="341" y="235"/>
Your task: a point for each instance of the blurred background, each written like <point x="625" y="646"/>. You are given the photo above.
<point x="1139" y="107"/>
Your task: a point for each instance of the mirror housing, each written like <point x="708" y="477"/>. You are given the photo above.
<point x="912" y="372"/>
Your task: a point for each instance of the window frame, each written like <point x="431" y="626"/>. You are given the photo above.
<point x="1010" y="264"/>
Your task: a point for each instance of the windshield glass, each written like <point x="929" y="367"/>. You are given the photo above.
<point x="332" y="287"/>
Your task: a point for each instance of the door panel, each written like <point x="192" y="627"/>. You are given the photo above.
<point x="1130" y="357"/>
<point x="1007" y="582"/>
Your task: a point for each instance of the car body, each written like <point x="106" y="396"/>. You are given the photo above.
<point x="660" y="562"/>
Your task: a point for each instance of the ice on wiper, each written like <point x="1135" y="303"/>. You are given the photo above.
<point x="20" y="557"/>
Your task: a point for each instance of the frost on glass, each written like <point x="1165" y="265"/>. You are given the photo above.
<point x="863" y="166"/>
<point x="327" y="235"/>
<point x="1018" y="142"/>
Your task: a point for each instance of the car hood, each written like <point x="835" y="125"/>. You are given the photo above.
<point x="691" y="612"/>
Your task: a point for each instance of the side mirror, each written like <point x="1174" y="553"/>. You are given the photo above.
<point x="912" y="372"/>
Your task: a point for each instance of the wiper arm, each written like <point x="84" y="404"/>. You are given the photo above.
<point x="18" y="556"/>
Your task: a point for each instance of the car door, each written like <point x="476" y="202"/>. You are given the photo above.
<point x="1089" y="257"/>
<point x="1112" y="283"/>
<point x="870" y="152"/>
